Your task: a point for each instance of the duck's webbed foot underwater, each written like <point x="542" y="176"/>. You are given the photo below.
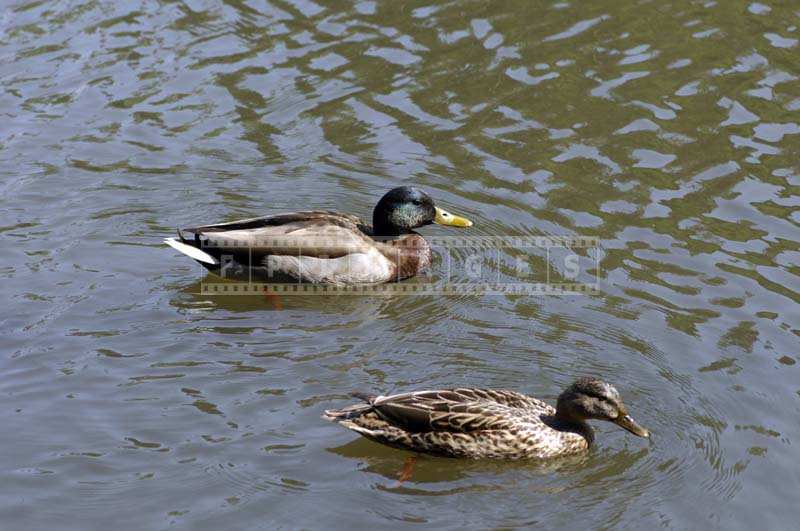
<point x="407" y="471"/>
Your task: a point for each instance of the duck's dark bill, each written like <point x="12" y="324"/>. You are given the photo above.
<point x="629" y="424"/>
<point x="444" y="217"/>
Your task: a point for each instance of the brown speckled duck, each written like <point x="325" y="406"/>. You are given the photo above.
<point x="488" y="423"/>
<point x="322" y="247"/>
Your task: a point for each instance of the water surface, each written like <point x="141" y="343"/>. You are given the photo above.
<point x="668" y="130"/>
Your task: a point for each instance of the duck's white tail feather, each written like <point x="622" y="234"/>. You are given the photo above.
<point x="191" y="252"/>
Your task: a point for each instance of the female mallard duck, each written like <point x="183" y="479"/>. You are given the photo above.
<point x="323" y="247"/>
<point x="488" y="423"/>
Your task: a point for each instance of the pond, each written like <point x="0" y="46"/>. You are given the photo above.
<point x="667" y="131"/>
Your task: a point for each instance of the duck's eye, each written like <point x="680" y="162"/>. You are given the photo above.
<point x="417" y="202"/>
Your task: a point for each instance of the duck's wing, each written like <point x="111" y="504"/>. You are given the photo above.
<point x="452" y="410"/>
<point x="509" y="398"/>
<point x="277" y="220"/>
<point x="312" y="233"/>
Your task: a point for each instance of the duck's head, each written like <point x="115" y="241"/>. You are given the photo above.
<point x="405" y="208"/>
<point x="591" y="398"/>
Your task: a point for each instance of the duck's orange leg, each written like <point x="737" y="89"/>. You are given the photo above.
<point x="275" y="300"/>
<point x="407" y="471"/>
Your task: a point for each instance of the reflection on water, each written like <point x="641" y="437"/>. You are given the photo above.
<point x="668" y="131"/>
<point x="430" y="470"/>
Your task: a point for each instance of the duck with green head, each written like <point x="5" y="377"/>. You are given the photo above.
<point x="323" y="247"/>
<point x="488" y="423"/>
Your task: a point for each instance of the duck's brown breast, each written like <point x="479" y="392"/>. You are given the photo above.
<point x="409" y="255"/>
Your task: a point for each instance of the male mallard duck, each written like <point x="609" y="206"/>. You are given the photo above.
<point x="488" y="423"/>
<point x="323" y="247"/>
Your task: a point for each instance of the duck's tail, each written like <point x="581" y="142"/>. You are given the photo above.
<point x="185" y="246"/>
<point x="350" y="412"/>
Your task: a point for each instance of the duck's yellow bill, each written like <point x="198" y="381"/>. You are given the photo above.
<point x="444" y="217"/>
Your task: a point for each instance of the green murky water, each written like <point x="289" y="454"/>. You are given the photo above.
<point x="668" y="130"/>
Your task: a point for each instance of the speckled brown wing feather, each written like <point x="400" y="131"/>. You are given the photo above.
<point x="508" y="398"/>
<point x="453" y="410"/>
